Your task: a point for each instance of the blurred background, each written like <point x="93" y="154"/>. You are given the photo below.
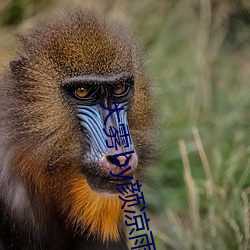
<point x="198" y="56"/>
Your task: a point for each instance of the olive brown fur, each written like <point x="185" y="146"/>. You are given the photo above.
<point x="46" y="201"/>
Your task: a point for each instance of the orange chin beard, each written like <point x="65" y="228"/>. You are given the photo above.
<point x="100" y="214"/>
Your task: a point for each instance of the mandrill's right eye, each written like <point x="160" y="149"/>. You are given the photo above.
<point x="81" y="92"/>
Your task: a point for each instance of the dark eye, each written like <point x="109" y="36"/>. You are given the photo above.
<point x="81" y="92"/>
<point x="119" y="89"/>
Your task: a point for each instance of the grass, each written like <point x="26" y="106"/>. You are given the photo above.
<point x="202" y="184"/>
<point x="198" y="55"/>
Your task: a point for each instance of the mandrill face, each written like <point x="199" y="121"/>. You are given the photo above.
<point x="86" y="94"/>
<point x="53" y="117"/>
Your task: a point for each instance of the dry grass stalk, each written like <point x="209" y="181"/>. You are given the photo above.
<point x="192" y="197"/>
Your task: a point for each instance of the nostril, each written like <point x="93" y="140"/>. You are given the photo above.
<point x="111" y="159"/>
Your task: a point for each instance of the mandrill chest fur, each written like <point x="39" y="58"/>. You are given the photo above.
<point x="56" y="191"/>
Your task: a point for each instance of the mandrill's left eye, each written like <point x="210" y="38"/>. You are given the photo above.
<point x="81" y="92"/>
<point x="119" y="89"/>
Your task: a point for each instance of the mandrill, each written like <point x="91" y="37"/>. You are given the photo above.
<point x="56" y="190"/>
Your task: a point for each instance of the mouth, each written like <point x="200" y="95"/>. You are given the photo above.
<point x="115" y="180"/>
<point x="101" y="182"/>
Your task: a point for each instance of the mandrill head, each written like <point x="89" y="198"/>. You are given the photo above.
<point x="51" y="128"/>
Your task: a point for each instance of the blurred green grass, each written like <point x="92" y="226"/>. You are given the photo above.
<point x="198" y="54"/>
